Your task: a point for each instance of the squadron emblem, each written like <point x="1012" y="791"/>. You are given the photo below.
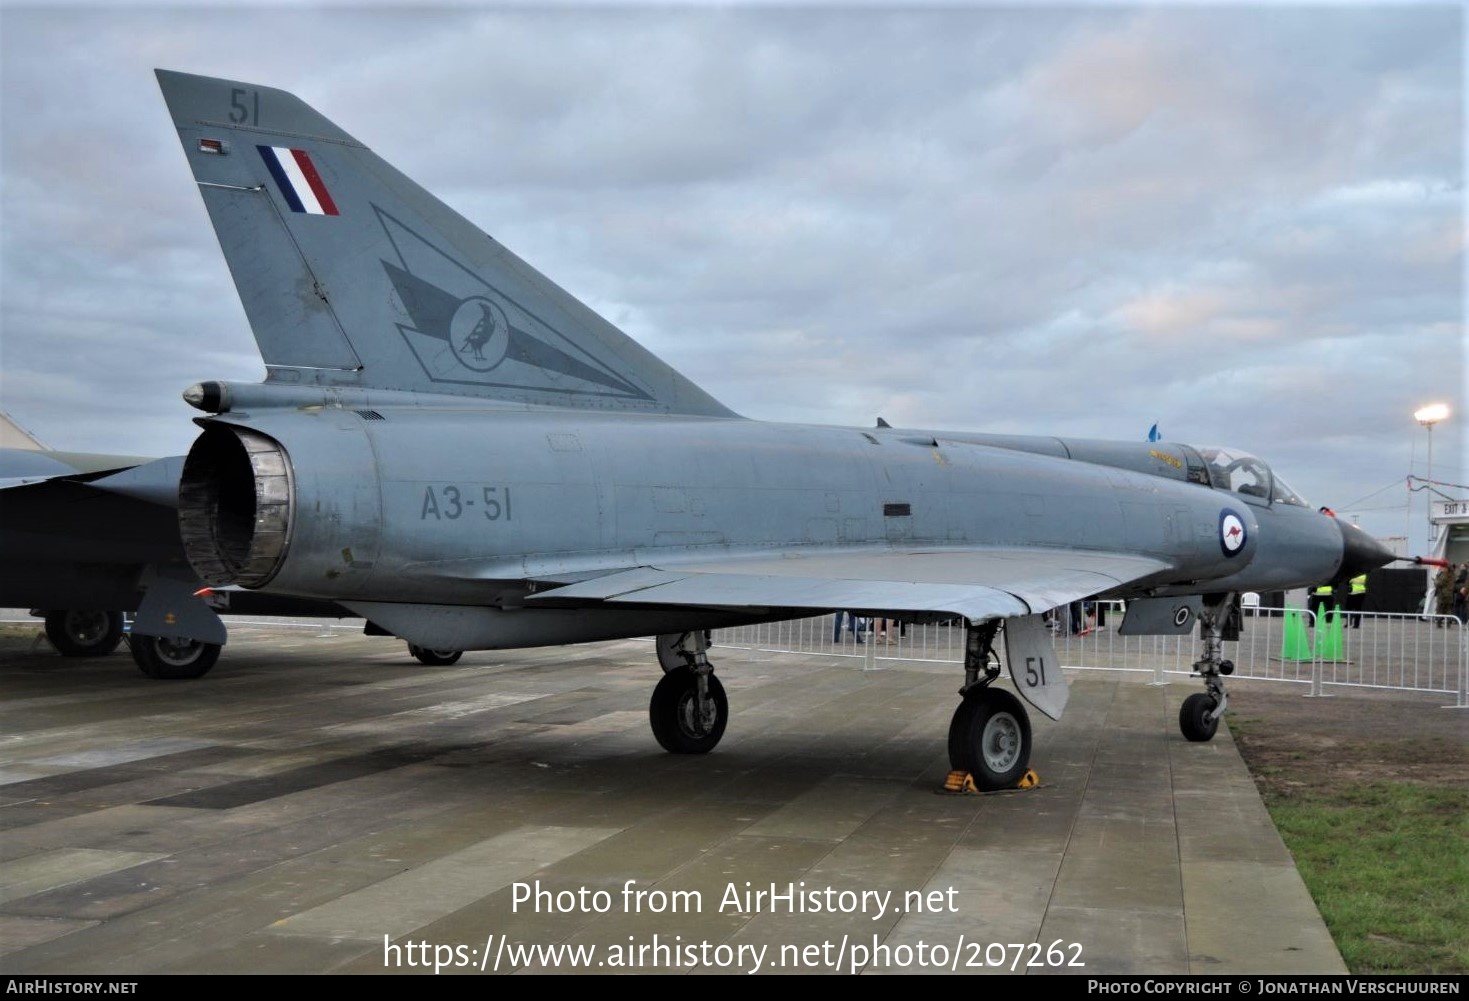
<point x="479" y="334"/>
<point x="464" y="330"/>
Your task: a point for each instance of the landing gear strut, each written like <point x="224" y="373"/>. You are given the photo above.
<point x="989" y="736"/>
<point x="689" y="710"/>
<point x="1198" y="717"/>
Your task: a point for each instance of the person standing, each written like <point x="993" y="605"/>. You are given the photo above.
<point x="1319" y="598"/>
<point x="1443" y="595"/>
<point x="853" y="622"/>
<point x="1355" y="599"/>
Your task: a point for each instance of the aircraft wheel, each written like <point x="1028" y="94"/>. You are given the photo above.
<point x="989" y="737"/>
<point x="84" y="633"/>
<point x="435" y="658"/>
<point x="1193" y="717"/>
<point x="678" y="722"/>
<point x="169" y="659"/>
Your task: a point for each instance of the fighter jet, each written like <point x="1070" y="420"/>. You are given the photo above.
<point x="83" y="537"/>
<point x="86" y="538"/>
<point x="457" y="449"/>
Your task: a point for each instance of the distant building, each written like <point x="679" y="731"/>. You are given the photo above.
<point x="1450" y="520"/>
<point x="1450" y="541"/>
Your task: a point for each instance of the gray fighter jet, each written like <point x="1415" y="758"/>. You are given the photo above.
<point x="457" y="449"/>
<point x="85" y="538"/>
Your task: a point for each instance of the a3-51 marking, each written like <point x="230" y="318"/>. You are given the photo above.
<point x="450" y="502"/>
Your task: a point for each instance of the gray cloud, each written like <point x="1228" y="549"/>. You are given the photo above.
<point x="1244" y="222"/>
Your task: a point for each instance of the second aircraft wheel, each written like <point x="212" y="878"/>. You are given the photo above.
<point x="77" y="633"/>
<point x="679" y="723"/>
<point x="435" y="658"/>
<point x="989" y="737"/>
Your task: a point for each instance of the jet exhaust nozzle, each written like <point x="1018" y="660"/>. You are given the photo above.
<point x="235" y="499"/>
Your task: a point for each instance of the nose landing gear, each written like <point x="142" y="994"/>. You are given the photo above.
<point x="1198" y="717"/>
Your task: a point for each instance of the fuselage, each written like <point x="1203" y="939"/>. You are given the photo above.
<point x="463" y="505"/>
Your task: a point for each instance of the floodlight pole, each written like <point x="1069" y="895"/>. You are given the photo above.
<point x="1429" y="416"/>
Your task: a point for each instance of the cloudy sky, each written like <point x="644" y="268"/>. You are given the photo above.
<point x="1245" y="223"/>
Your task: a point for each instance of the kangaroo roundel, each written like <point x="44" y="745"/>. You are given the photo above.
<point x="1232" y="535"/>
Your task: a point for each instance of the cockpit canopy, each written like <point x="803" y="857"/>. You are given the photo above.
<point x="1244" y="474"/>
<point x="1209" y="465"/>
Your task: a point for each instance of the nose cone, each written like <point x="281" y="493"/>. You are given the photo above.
<point x="1360" y="552"/>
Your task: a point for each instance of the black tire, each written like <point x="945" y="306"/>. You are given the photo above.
<point x="168" y="659"/>
<point x="989" y="737"/>
<point x="82" y="633"/>
<point x="1193" y="718"/>
<point x="673" y="713"/>
<point x="435" y="658"/>
<point x="959" y="734"/>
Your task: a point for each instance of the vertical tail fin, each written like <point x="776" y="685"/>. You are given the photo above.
<point x="351" y="274"/>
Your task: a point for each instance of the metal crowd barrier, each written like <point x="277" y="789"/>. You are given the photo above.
<point x="1416" y="653"/>
<point x="1335" y="648"/>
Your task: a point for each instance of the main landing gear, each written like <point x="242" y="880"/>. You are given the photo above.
<point x="170" y="659"/>
<point x="1198" y="717"/>
<point x="989" y="736"/>
<point x="689" y="710"/>
<point x="84" y="633"/>
<point x="434" y="658"/>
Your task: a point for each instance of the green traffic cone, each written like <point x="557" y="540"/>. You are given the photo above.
<point x="1294" y="644"/>
<point x="1329" y="637"/>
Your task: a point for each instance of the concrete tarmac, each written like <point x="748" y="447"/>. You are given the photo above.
<point x="325" y="804"/>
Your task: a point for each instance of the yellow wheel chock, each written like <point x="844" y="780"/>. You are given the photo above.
<point x="960" y="782"/>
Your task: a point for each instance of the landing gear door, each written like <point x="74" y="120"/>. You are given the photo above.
<point x="1160" y="616"/>
<point x="1034" y="667"/>
<point x="170" y="608"/>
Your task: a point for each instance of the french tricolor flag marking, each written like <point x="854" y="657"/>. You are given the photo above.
<point x="301" y="186"/>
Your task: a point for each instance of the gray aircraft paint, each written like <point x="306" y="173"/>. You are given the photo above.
<point x="452" y="445"/>
<point x="642" y="490"/>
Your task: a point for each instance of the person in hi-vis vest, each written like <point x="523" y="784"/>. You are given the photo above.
<point x="1320" y="599"/>
<point x="1355" y="598"/>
